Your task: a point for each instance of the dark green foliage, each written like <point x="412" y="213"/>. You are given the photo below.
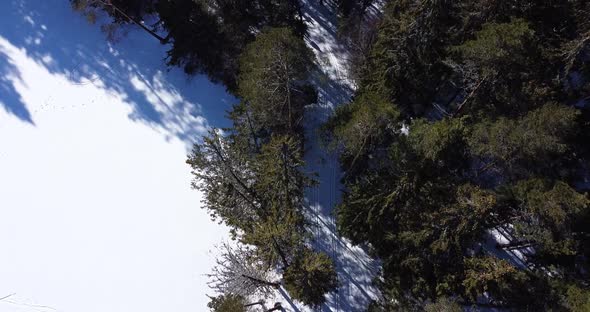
<point x="532" y="143"/>
<point x="227" y="303"/>
<point x="503" y="60"/>
<point x="258" y="192"/>
<point x="135" y="9"/>
<point x="491" y="275"/>
<point x="281" y="183"/>
<point x="440" y="141"/>
<point x="221" y="171"/>
<point x="205" y="36"/>
<point x="240" y="16"/>
<point x="310" y="276"/>
<point x="259" y="195"/>
<point x="360" y="126"/>
<point x="198" y="44"/>
<point x="419" y="225"/>
<point x="273" y="79"/>
<point x="347" y="8"/>
<point x="578" y="299"/>
<point x="498" y="46"/>
<point x="406" y="62"/>
<point x="463" y="122"/>
<point x="443" y="305"/>
<point x="420" y="211"/>
<point x="279" y="166"/>
<point x="209" y="36"/>
<point x="253" y="175"/>
<point x="555" y="206"/>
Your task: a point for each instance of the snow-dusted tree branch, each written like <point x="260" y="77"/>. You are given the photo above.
<point x="239" y="273"/>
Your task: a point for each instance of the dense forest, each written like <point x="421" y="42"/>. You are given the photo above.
<point x="467" y="140"/>
<point x="471" y="117"/>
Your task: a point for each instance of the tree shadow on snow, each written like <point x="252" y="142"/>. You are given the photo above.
<point x="10" y="99"/>
<point x="63" y="41"/>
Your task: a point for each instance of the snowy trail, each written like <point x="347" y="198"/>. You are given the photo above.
<point x="97" y="212"/>
<point x="356" y="269"/>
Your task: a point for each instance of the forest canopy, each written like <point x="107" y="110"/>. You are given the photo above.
<point x="467" y="123"/>
<point x="465" y="149"/>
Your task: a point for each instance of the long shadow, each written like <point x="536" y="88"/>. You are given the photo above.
<point x="63" y="42"/>
<point x="10" y="99"/>
<point x="288" y="298"/>
<point x="358" y="286"/>
<point x="327" y="232"/>
<point x="318" y="16"/>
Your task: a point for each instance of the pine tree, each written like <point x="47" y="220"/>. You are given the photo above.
<point x="544" y="213"/>
<point x="281" y="181"/>
<point x="359" y="126"/>
<point x="122" y="12"/>
<point x="443" y="305"/>
<point x="578" y="299"/>
<point x="277" y="238"/>
<point x="493" y="276"/>
<point x="534" y="141"/>
<point x="497" y="46"/>
<point x="227" y="303"/>
<point x="489" y="139"/>
<point x="198" y="45"/>
<point x="406" y="62"/>
<point x="310" y="277"/>
<point x="222" y="171"/>
<point x="273" y="79"/>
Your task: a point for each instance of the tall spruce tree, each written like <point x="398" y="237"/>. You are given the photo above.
<point x="274" y="72"/>
<point x="222" y="171"/>
<point x="227" y="303"/>
<point x="310" y="276"/>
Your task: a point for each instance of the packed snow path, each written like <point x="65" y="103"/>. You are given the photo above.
<point x="97" y="212"/>
<point x="356" y="270"/>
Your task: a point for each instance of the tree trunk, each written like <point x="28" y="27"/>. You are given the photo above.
<point x="254" y="303"/>
<point x="458" y="111"/>
<point x="228" y="166"/>
<point x="262" y="282"/>
<point x="281" y="253"/>
<point x="136" y="22"/>
<point x="254" y="136"/>
<point x="514" y="245"/>
<point x="277" y="307"/>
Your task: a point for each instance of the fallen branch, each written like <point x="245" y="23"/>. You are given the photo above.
<point x="136" y="22"/>
<point x="468" y="97"/>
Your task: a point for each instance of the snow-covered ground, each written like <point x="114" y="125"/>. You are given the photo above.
<point x="96" y="209"/>
<point x="97" y="214"/>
